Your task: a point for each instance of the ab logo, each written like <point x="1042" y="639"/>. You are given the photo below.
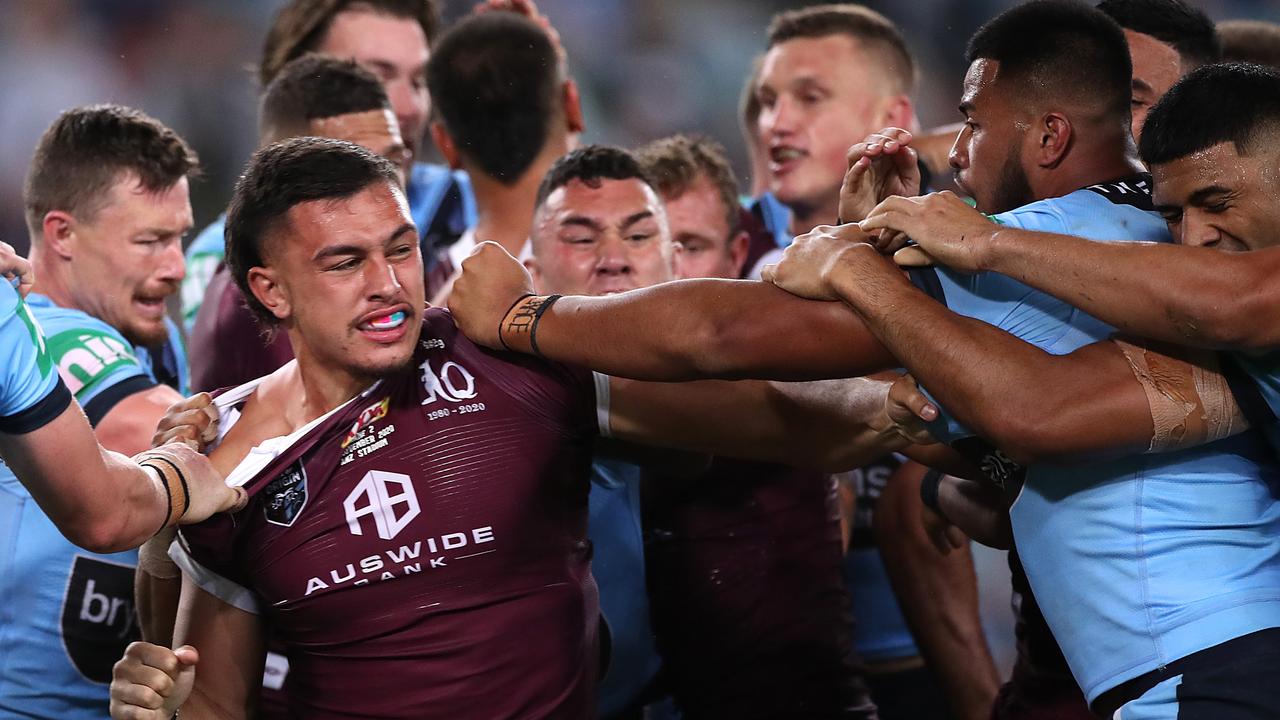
<point x="453" y="382"/>
<point x="97" y="616"/>
<point x="388" y="497"/>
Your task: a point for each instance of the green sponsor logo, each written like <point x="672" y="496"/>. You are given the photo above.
<point x="43" y="362"/>
<point x="85" y="357"/>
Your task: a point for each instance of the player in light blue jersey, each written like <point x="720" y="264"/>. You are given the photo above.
<point x="1156" y="573"/>
<point x="107" y="207"/>
<point x="1214" y="183"/>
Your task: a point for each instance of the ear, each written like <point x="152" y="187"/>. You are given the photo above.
<point x="531" y="264"/>
<point x="573" y="107"/>
<point x="58" y="233"/>
<point x="265" y="285"/>
<point x="1054" y="137"/>
<point x="738" y="248"/>
<point x="444" y="142"/>
<point x="898" y="111"/>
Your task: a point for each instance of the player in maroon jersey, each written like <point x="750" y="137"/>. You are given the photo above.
<point x="416" y="528"/>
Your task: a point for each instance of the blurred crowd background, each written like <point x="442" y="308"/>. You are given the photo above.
<point x="647" y="68"/>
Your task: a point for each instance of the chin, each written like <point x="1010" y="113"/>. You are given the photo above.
<point x="146" y="334"/>
<point x="385" y="363"/>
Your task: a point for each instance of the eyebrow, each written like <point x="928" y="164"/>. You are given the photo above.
<point x="582" y="221"/>
<point x="1140" y="85"/>
<point x="339" y="250"/>
<point x="635" y="218"/>
<point x="1203" y="194"/>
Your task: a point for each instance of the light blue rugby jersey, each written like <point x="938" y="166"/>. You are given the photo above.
<point x="66" y="614"/>
<point x="32" y="394"/>
<point x="1139" y="561"/>
<point x="1263" y="370"/>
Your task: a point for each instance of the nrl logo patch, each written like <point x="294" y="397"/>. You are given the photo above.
<point x="286" y="496"/>
<point x="371" y="414"/>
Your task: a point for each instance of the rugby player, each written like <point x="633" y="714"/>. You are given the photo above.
<point x="1066" y="130"/>
<point x="1214" y="186"/>
<point x="391" y="39"/>
<point x="506" y="109"/>
<point x="107" y="206"/>
<point x="713" y="659"/>
<point x="1167" y="39"/>
<point x="393" y="448"/>
<point x="316" y="95"/>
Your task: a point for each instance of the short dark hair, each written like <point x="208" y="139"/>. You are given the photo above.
<point x="1234" y="102"/>
<point x="281" y="176"/>
<point x="866" y="26"/>
<point x="1254" y="41"/>
<point x="1057" y="48"/>
<point x="592" y="164"/>
<point x="301" y="25"/>
<point x="1173" y="22"/>
<point x="495" y="80"/>
<point x="318" y="86"/>
<point x="676" y="162"/>
<point x="85" y="150"/>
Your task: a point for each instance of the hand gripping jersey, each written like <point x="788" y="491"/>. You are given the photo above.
<point x="1139" y="561"/>
<point x="66" y="614"/>
<point x="422" y="550"/>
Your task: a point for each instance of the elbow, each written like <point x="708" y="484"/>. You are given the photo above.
<point x="102" y="536"/>
<point x="1024" y="437"/>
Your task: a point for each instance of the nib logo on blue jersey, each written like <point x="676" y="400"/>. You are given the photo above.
<point x="286" y="496"/>
<point x="97" y="616"/>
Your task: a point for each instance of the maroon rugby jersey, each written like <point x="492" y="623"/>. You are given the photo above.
<point x="423" y="551"/>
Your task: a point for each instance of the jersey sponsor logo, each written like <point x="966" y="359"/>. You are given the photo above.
<point x="286" y="496"/>
<point x="98" y="619"/>
<point x="453" y="383"/>
<point x="388" y="498"/>
<point x="370" y="415"/>
<point x="86" y="357"/>
<point x="407" y="559"/>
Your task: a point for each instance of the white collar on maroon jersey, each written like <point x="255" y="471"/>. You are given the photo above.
<point x="262" y="454"/>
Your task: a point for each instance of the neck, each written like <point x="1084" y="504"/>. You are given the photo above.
<point x="322" y="387"/>
<point x="49" y="280"/>
<point x="805" y="217"/>
<point x="1090" y="164"/>
<point x="504" y="213"/>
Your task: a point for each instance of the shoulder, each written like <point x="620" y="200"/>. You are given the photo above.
<point x="90" y="355"/>
<point x="1118" y="210"/>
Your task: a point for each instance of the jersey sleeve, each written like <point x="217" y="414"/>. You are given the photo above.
<point x="206" y="552"/>
<point x="97" y="364"/>
<point x="33" y="394"/>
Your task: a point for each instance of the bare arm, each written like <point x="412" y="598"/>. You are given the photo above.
<point x="939" y="597"/>
<point x="128" y="426"/>
<point x="831" y="425"/>
<point x="232" y="653"/>
<point x="101" y="500"/>
<point x="1190" y="296"/>
<point x="691" y="329"/>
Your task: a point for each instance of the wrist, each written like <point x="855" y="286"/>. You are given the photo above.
<point x="992" y="252"/>
<point x="930" y="487"/>
<point x="174" y="491"/>
<point x="518" y="331"/>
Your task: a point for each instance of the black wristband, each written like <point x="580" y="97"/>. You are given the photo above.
<point x="168" y="505"/>
<point x="929" y="487"/>
<point x="537" y="317"/>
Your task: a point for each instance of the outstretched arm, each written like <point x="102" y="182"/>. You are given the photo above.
<point x="690" y="329"/>
<point x="1190" y="296"/>
<point x="831" y="425"/>
<point x="1033" y="405"/>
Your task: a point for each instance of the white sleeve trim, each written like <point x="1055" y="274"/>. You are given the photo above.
<point x="225" y="590"/>
<point x="602" y="403"/>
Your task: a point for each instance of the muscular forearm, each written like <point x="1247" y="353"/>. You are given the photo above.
<point x="979" y="509"/>
<point x="1033" y="405"/>
<point x="697" y="329"/>
<point x="939" y="597"/>
<point x="1190" y="296"/>
<point x="830" y="425"/>
<point x="156" y="590"/>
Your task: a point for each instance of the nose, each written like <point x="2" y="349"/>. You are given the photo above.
<point x="613" y="257"/>
<point x="173" y="266"/>
<point x="958" y="157"/>
<point x="381" y="280"/>
<point x="1193" y="231"/>
<point x="779" y="118"/>
<point x="409" y="106"/>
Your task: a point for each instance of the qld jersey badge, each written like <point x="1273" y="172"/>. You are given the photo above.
<point x="286" y="496"/>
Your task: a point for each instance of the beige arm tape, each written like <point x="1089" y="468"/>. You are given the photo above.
<point x="1190" y="401"/>
<point x="153" y="556"/>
